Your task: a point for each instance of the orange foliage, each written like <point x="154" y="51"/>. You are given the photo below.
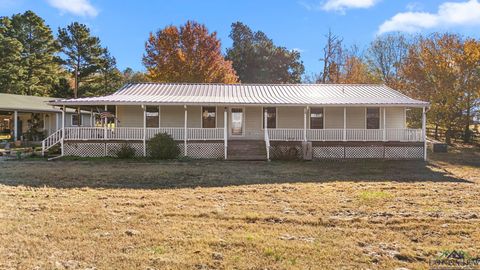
<point x="189" y="54"/>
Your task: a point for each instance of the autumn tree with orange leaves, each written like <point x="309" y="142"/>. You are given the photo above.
<point x="186" y="54"/>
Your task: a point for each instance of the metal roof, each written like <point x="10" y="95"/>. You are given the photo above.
<point x="11" y="102"/>
<point x="250" y="94"/>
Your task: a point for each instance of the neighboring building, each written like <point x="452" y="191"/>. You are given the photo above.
<point x="251" y="121"/>
<point x="31" y="116"/>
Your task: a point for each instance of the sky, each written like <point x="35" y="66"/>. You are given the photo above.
<point x="123" y="26"/>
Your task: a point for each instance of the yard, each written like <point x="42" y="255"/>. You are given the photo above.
<point x="110" y="214"/>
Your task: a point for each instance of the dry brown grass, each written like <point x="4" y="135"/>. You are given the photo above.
<point x="243" y="215"/>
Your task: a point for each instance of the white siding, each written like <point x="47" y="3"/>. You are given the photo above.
<point x="220" y="118"/>
<point x="333" y="117"/>
<point x="355" y="118"/>
<point x="253" y="122"/>
<point x="172" y="116"/>
<point x="290" y="117"/>
<point x="130" y="116"/>
<point x="395" y="117"/>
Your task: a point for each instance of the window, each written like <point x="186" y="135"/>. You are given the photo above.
<point x="271" y="117"/>
<point x="209" y="116"/>
<point x="76" y="120"/>
<point x="373" y="118"/>
<point x="316" y="118"/>
<point x="152" y="115"/>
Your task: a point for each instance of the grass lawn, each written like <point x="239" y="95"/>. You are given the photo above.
<point x="114" y="214"/>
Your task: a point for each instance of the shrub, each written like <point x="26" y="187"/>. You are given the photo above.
<point x="126" y="151"/>
<point x="162" y="146"/>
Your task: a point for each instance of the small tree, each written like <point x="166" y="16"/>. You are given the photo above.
<point x="162" y="146"/>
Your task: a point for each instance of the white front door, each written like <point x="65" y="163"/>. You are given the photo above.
<point x="237" y="120"/>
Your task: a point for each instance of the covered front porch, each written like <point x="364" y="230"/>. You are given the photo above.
<point x="218" y="126"/>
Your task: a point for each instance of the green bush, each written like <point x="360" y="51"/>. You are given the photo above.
<point x="162" y="146"/>
<point x="126" y="151"/>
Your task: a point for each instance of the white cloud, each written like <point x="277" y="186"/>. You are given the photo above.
<point x="342" y="5"/>
<point x="338" y="5"/>
<point x="76" y="7"/>
<point x="449" y="14"/>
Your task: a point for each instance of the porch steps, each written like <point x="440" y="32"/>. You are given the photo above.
<point x="246" y="150"/>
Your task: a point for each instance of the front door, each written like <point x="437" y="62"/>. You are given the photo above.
<point x="237" y="122"/>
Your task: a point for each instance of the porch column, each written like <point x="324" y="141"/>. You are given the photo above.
<point x="63" y="128"/>
<point x="424" y="133"/>
<point x="305" y="111"/>
<point x="159" y="117"/>
<point x="344" y="124"/>
<point x="15" y="125"/>
<point x="144" y="108"/>
<point x="105" y="124"/>
<point x="91" y="117"/>
<point x="267" y="139"/>
<point x="225" y="130"/>
<point x="384" y="125"/>
<point x="185" y="136"/>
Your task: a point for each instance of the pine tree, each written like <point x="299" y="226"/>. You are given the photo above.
<point x="83" y="52"/>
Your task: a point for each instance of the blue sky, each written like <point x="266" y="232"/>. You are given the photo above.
<point x="123" y="26"/>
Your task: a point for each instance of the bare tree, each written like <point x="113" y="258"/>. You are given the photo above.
<point x="332" y="59"/>
<point x="386" y="55"/>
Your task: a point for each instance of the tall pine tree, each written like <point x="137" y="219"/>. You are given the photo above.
<point x="28" y="48"/>
<point x="83" y="52"/>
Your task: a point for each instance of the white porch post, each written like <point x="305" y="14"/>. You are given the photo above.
<point x="424" y="133"/>
<point x="159" y="117"/>
<point x="185" y="136"/>
<point x="105" y="124"/>
<point x="225" y="130"/>
<point x="15" y="125"/>
<point x="267" y="140"/>
<point x="344" y="124"/>
<point x="305" y="111"/>
<point x="144" y="108"/>
<point x="63" y="128"/>
<point x="91" y="117"/>
<point x="384" y="125"/>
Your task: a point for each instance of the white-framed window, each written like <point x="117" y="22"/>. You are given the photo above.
<point x="316" y="118"/>
<point x="76" y="120"/>
<point x="271" y="117"/>
<point x="151" y="116"/>
<point x="373" y="118"/>
<point x="209" y="117"/>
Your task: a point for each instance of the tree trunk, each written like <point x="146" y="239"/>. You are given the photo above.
<point x="436" y="131"/>
<point x="448" y="135"/>
<point x="466" y="133"/>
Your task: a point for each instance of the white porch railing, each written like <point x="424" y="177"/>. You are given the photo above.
<point x="84" y="133"/>
<point x="364" y="135"/>
<point x="124" y="133"/>
<point x="205" y="134"/>
<point x="324" y="134"/>
<point x="51" y="140"/>
<point x="400" y="134"/>
<point x="176" y="133"/>
<point x="285" y="134"/>
<point x="397" y="134"/>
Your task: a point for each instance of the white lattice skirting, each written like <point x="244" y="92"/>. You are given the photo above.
<point x="359" y="152"/>
<point x="208" y="150"/>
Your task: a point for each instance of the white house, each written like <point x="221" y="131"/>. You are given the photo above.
<point x="251" y="121"/>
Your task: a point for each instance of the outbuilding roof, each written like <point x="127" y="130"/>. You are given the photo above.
<point x="23" y="103"/>
<point x="250" y="94"/>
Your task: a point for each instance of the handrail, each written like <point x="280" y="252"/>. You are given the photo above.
<point x="51" y="140"/>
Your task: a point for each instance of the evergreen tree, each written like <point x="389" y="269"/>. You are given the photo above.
<point x="28" y="48"/>
<point x="83" y="52"/>
<point x="256" y="59"/>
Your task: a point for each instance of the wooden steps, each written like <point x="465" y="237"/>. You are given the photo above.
<point x="246" y="150"/>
